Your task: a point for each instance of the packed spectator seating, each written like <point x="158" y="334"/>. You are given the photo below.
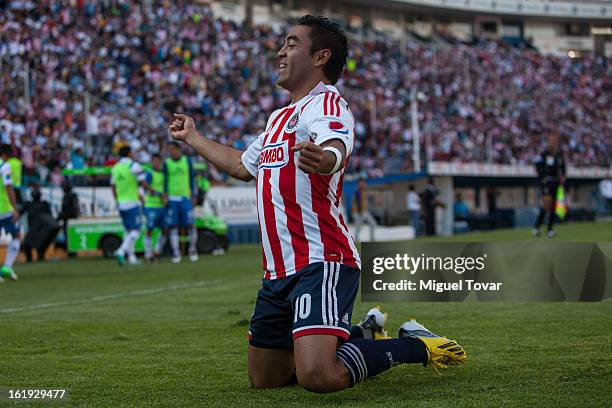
<point x="102" y="74"/>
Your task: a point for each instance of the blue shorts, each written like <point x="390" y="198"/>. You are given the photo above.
<point x="9" y="226"/>
<point x="317" y="300"/>
<point x="156" y="218"/>
<point x="131" y="218"/>
<point x="179" y="213"/>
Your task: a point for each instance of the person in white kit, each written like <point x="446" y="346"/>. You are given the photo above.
<point x="413" y="203"/>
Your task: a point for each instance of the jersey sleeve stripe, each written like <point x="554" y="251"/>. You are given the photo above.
<point x="338" y="106"/>
<point x="325" y="104"/>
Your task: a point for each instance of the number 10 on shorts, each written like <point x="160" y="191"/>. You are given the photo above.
<point x="302" y="307"/>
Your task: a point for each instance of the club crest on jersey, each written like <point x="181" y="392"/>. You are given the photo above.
<point x="274" y="156"/>
<point x="293" y="123"/>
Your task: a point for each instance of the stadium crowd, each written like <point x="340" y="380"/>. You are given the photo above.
<point x="485" y="102"/>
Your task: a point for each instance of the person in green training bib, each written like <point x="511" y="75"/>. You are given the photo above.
<point x="126" y="176"/>
<point x="155" y="209"/>
<point x="9" y="216"/>
<point x="180" y="189"/>
<point x="16" y="176"/>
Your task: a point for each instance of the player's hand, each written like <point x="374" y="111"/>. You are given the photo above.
<point x="182" y="128"/>
<point x="16" y="215"/>
<point x="311" y="156"/>
<point x="165" y="199"/>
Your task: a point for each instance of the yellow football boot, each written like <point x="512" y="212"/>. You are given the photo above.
<point x="441" y="352"/>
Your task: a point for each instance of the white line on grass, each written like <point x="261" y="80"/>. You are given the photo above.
<point x="114" y="296"/>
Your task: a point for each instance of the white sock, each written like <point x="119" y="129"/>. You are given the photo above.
<point x="124" y="244"/>
<point x="12" y="252"/>
<point x="193" y="240"/>
<point x="148" y="246"/>
<point x="174" y="242"/>
<point x="161" y="242"/>
<point x="130" y="249"/>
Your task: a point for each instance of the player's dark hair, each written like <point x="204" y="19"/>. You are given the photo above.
<point x="174" y="144"/>
<point x="156" y="156"/>
<point x="327" y="34"/>
<point x="6" y="149"/>
<point x="124" y="151"/>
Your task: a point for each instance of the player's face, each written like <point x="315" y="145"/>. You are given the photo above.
<point x="156" y="163"/>
<point x="175" y="152"/>
<point x="295" y="64"/>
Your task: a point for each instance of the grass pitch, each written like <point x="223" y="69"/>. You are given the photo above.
<point x="166" y="335"/>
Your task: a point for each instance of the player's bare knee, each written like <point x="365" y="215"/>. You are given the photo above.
<point x="320" y="380"/>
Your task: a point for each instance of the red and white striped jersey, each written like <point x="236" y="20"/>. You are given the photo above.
<point x="299" y="216"/>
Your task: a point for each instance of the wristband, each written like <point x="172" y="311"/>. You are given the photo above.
<point x="338" y="155"/>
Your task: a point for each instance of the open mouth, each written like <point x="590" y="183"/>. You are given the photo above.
<point x="282" y="67"/>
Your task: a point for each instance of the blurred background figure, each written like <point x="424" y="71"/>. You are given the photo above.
<point x="413" y="203"/>
<point x="69" y="210"/>
<point x="550" y="167"/>
<point x="126" y="177"/>
<point x="17" y="175"/>
<point x="360" y="210"/>
<point x="431" y="203"/>
<point x="460" y="209"/>
<point x="492" y="196"/>
<point x="42" y="227"/>
<point x="155" y="210"/>
<point x="203" y="185"/>
<point x="605" y="189"/>
<point x="9" y="216"/>
<point x="180" y="189"/>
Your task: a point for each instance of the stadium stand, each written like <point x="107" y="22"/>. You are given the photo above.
<point x="104" y="74"/>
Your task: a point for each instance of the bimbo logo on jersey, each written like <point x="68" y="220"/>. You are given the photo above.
<point x="274" y="156"/>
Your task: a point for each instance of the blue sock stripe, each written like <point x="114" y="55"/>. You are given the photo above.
<point x="358" y="363"/>
<point x="348" y="366"/>
<point x="359" y="358"/>
<point x="352" y="360"/>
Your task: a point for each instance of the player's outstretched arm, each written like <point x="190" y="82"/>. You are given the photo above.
<point x="225" y="158"/>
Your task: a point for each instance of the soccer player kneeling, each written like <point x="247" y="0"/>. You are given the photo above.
<point x="300" y="329"/>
